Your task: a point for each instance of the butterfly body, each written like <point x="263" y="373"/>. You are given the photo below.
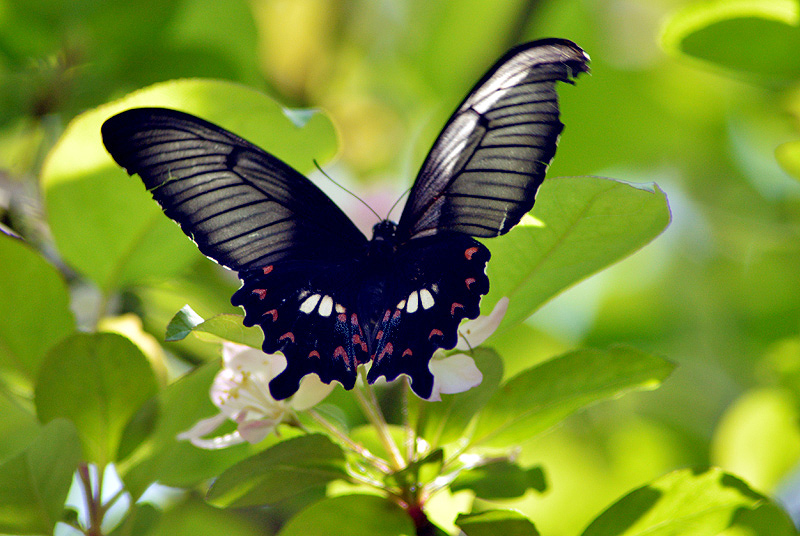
<point x="326" y="296"/>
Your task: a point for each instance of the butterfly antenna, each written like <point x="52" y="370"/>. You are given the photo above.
<point x="398" y="200"/>
<point x="346" y="190"/>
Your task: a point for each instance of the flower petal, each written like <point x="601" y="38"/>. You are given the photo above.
<point x="454" y="374"/>
<point x="203" y="427"/>
<point x="472" y="333"/>
<point x="206" y="426"/>
<point x="311" y="392"/>
<point x="241" y="358"/>
<point x="255" y="431"/>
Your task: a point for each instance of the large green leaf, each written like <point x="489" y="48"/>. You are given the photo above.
<point x="491" y="522"/>
<point x="540" y="397"/>
<point x="98" y="381"/>
<point x="691" y="502"/>
<point x="280" y="472"/>
<point x="584" y="224"/>
<point x="34" y="310"/>
<point x="758" y="37"/>
<point x="500" y="480"/>
<point x="34" y="483"/>
<point x="104" y="222"/>
<point x="351" y="515"/>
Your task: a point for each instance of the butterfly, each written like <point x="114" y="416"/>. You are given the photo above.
<point x="324" y="295"/>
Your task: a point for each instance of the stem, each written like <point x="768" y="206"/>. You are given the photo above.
<point x="369" y="405"/>
<point x="378" y="462"/>
<point x="411" y="433"/>
<point x="94" y="508"/>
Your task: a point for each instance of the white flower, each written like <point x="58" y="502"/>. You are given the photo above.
<point x="241" y="392"/>
<point x="457" y="373"/>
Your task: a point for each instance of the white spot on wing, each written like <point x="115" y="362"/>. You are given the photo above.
<point x="435" y="288"/>
<point x="426" y="298"/>
<point x="401" y="304"/>
<point x="310" y="304"/>
<point x="326" y="306"/>
<point x="340" y="308"/>
<point x="413" y="302"/>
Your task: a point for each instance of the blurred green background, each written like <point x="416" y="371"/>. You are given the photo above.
<point x="701" y="98"/>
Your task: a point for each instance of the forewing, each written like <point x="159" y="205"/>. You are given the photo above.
<point x="243" y="207"/>
<point x="437" y="282"/>
<point x="306" y="311"/>
<point x="483" y="171"/>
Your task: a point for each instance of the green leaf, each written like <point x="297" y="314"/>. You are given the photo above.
<point x="18" y="425"/>
<point x="182" y="324"/>
<point x="354" y="515"/>
<point x="689" y="502"/>
<point x="581" y="225"/>
<point x="34" y="310"/>
<point x="34" y="483"/>
<point x="139" y="521"/>
<point x="194" y="517"/>
<point x="283" y="470"/>
<point x="218" y="328"/>
<point x="122" y="237"/>
<point x="758" y="37"/>
<point x="542" y="396"/>
<point x="447" y="420"/>
<point x="494" y="522"/>
<point x="98" y="381"/>
<point x="500" y="480"/>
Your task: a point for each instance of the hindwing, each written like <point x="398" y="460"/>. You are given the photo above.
<point x="439" y="281"/>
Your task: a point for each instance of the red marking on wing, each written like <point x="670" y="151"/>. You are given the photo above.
<point x="379" y="335"/>
<point x="267" y="269"/>
<point x="341" y="352"/>
<point x="469" y="281"/>
<point x="388" y="349"/>
<point x="261" y="292"/>
<point x="435" y="332"/>
<point x="357" y="340"/>
<point x="454" y="307"/>
<point x="342" y="318"/>
<point x="287" y="335"/>
<point x="387" y="315"/>
<point x="470" y="252"/>
<point x="407" y="352"/>
<point x="274" y="313"/>
<point x="396" y="314"/>
<point x="313" y="353"/>
<point x="354" y="319"/>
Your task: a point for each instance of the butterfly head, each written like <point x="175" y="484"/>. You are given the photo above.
<point x="384" y="230"/>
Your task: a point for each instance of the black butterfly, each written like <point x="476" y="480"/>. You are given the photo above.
<point x="323" y="294"/>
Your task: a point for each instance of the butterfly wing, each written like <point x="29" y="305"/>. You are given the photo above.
<point x="253" y="213"/>
<point x="482" y="174"/>
<point x="479" y="179"/>
<point x="437" y="281"/>
<point x="242" y="206"/>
